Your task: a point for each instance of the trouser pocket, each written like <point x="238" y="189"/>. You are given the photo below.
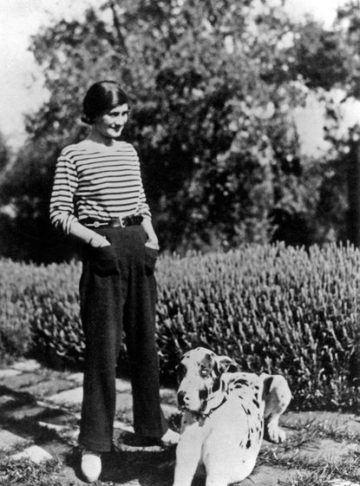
<point x="104" y="260"/>
<point x="151" y="256"/>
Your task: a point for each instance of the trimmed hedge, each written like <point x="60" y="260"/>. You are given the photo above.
<point x="272" y="308"/>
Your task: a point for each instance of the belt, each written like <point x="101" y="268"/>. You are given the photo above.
<point x="113" y="222"/>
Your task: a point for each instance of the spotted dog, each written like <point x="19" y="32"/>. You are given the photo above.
<point x="225" y="415"/>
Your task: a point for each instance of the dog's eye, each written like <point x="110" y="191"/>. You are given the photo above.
<point x="204" y="373"/>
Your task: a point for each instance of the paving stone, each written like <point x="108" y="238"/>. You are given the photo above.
<point x="34" y="453"/>
<point x="326" y="450"/>
<point x="76" y="377"/>
<point x="69" y="432"/>
<point x="123" y="385"/>
<point x="25" y="411"/>
<point x="9" y="403"/>
<point x="8" y="440"/>
<point x="123" y="402"/>
<point x="345" y="422"/>
<point x="123" y="426"/>
<point x="68" y="397"/>
<point x="58" y="407"/>
<point x="55" y="427"/>
<point x="269" y="476"/>
<point x="57" y="416"/>
<point x="26" y="365"/>
<point x="49" y="387"/>
<point x="22" y="380"/>
<point x="8" y="373"/>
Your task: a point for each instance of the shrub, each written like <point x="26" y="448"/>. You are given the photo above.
<point x="274" y="309"/>
<point x="15" y="309"/>
<point x="40" y="311"/>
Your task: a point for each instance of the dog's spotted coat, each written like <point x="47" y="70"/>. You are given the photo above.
<point x="225" y="415"/>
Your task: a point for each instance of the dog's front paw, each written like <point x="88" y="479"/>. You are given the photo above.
<point x="275" y="434"/>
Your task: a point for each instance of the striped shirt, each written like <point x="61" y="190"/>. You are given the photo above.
<point x="95" y="181"/>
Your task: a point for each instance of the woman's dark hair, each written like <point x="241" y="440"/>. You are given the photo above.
<point x="102" y="97"/>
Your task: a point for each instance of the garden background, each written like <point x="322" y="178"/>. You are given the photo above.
<point x="255" y="231"/>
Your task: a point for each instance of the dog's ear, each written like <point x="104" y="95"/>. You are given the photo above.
<point x="223" y="364"/>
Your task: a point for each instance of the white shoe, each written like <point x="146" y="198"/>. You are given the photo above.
<point x="91" y="465"/>
<point x="170" y="438"/>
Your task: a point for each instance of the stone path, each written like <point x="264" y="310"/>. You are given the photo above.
<point x="39" y="416"/>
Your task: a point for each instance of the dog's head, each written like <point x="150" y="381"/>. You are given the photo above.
<point x="199" y="374"/>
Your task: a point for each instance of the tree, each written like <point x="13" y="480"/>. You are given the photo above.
<point x="214" y="86"/>
<point x="338" y="208"/>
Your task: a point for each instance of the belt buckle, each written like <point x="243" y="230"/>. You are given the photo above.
<point x="96" y="224"/>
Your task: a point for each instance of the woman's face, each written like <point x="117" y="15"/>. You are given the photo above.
<point x="111" y="124"/>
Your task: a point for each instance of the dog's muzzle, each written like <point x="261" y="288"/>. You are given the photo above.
<point x="182" y="399"/>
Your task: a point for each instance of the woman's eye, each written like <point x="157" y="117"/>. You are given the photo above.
<point x="115" y="114"/>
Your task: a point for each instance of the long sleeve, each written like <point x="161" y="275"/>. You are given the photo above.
<point x="144" y="209"/>
<point x="62" y="197"/>
<point x="98" y="182"/>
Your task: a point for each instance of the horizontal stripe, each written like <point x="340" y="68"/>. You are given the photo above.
<point x="97" y="184"/>
<point x="107" y="181"/>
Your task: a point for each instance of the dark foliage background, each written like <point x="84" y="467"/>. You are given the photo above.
<point x="214" y="85"/>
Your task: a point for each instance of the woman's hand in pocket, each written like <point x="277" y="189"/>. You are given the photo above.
<point x="151" y="256"/>
<point x="98" y="241"/>
<point x="103" y="256"/>
<point x="104" y="260"/>
<point x="153" y="244"/>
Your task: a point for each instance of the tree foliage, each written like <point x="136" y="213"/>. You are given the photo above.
<point x="213" y="86"/>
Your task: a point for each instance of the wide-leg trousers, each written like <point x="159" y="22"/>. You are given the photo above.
<point x="118" y="296"/>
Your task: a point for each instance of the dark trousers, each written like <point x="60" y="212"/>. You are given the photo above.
<point x="118" y="293"/>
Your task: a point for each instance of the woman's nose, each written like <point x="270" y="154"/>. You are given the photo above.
<point x="122" y="119"/>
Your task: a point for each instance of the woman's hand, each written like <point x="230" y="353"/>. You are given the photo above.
<point x="154" y="244"/>
<point x="98" y="241"/>
<point x="87" y="235"/>
<point x="152" y="241"/>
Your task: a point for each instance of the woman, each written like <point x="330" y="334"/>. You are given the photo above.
<point x="98" y="197"/>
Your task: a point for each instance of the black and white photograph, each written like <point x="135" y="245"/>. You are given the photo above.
<point x="180" y="242"/>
